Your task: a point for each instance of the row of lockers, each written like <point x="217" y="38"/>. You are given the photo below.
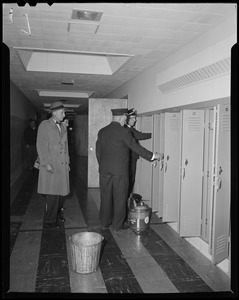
<point x="191" y="186"/>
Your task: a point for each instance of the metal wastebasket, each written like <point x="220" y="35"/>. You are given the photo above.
<point x="85" y="251"/>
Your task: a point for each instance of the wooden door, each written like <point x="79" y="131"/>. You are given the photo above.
<point x="99" y="116"/>
<point x="171" y="175"/>
<point x="81" y="135"/>
<point x="192" y="172"/>
<point x="222" y="196"/>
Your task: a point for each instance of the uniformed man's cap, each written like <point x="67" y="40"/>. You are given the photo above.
<point x="119" y="111"/>
<point x="56" y="105"/>
<point x="132" y="112"/>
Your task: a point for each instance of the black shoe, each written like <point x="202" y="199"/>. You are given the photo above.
<point x="123" y="227"/>
<point x="60" y="216"/>
<point x="61" y="219"/>
<point x="106" y="227"/>
<point x="52" y="225"/>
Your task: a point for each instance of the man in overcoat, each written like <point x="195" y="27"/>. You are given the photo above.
<point x="133" y="156"/>
<point x="52" y="148"/>
<point x="112" y="152"/>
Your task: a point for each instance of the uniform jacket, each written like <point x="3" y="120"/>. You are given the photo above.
<point x="138" y="136"/>
<point x="52" y="148"/>
<point x="112" y="149"/>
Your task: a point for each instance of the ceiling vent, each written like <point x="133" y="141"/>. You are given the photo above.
<point x="212" y="71"/>
<point x="71" y="82"/>
<point x="86" y="15"/>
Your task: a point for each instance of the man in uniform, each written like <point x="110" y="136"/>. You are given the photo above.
<point x="112" y="152"/>
<point x="52" y="148"/>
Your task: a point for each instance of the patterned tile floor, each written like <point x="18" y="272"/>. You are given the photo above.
<point x="149" y="263"/>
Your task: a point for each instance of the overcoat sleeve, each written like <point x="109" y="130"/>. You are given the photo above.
<point x="140" y="135"/>
<point x="134" y="146"/>
<point x="42" y="144"/>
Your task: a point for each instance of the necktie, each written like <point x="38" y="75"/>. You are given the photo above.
<point x="59" y="125"/>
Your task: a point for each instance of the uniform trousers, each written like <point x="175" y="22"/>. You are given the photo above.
<point x="132" y="173"/>
<point x="53" y="206"/>
<point x="113" y="194"/>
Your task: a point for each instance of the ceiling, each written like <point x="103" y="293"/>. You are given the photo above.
<point x="53" y="50"/>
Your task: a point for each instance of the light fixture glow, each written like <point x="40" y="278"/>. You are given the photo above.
<point x="64" y="94"/>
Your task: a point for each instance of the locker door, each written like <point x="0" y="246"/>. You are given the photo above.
<point x="222" y="196"/>
<point x="192" y="170"/>
<point x="161" y="166"/>
<point x="171" y="166"/>
<point x="156" y="165"/>
<point x="209" y="148"/>
<point x="145" y="176"/>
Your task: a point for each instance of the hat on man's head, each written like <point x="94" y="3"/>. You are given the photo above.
<point x="56" y="105"/>
<point x="132" y="112"/>
<point x="119" y="111"/>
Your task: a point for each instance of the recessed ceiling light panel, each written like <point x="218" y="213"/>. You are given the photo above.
<point x="86" y="15"/>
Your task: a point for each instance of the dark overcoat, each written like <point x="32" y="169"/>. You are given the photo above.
<point x="138" y="136"/>
<point x="112" y="149"/>
<point x="52" y="148"/>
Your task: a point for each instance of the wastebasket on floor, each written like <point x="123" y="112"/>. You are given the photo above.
<point x="85" y="251"/>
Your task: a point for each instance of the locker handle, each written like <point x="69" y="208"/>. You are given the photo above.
<point x="161" y="165"/>
<point x="183" y="173"/>
<point x="166" y="167"/>
<point x="219" y="184"/>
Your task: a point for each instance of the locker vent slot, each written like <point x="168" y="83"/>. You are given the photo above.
<point x="174" y="124"/>
<point x="165" y="210"/>
<point x="221" y="244"/>
<point x="211" y="71"/>
<point x="225" y="122"/>
<point x="194" y="123"/>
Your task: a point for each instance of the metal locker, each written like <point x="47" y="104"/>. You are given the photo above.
<point x="191" y="172"/>
<point x="209" y="147"/>
<point x="156" y="188"/>
<point x="143" y="180"/>
<point x="171" y="177"/>
<point x="221" y="189"/>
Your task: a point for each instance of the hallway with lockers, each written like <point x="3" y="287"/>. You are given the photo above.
<point x="158" y="261"/>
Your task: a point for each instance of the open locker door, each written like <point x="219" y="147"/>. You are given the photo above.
<point x="156" y="164"/>
<point x="171" y="178"/>
<point x="161" y="167"/>
<point x="144" y="167"/>
<point x="192" y="172"/>
<point x="221" y="194"/>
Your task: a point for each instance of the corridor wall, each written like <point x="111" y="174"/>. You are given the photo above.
<point x="144" y="94"/>
<point x="20" y="111"/>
